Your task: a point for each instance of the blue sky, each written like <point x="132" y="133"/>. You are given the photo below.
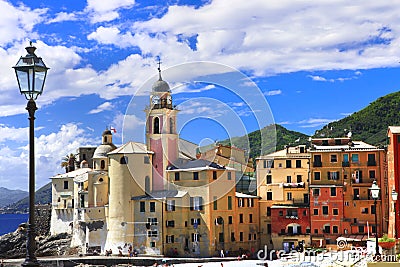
<point x="311" y="62"/>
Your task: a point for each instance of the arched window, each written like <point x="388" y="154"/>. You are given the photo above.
<point x="102" y="164"/>
<point x="171" y="125"/>
<point x="147" y="184"/>
<point x="123" y="160"/>
<point x="156" y="126"/>
<point x="105" y="139"/>
<point x="101" y="180"/>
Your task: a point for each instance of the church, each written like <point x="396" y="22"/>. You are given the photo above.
<point x="163" y="197"/>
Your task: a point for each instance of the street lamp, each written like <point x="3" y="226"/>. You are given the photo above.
<point x="394" y="198"/>
<point x="375" y="195"/>
<point x="31" y="75"/>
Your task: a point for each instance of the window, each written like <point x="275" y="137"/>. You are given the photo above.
<point x="288" y="163"/>
<point x="214" y="174"/>
<point x="346" y="203"/>
<point x="372" y="174"/>
<point x="123" y="160"/>
<point x="170" y="239"/>
<point x="371" y="160"/>
<point x="196" y="203"/>
<point x="195" y="221"/>
<point x="250" y="218"/>
<point x="152" y="206"/>
<point x="146" y="160"/>
<point x="373" y="209"/>
<point x="334" y="158"/>
<point x="364" y="210"/>
<point x="315" y="211"/>
<point x="317" y="176"/>
<point x="315" y="231"/>
<point x="229" y="175"/>
<point x="142" y="206"/>
<point x="281" y="213"/>
<point x="156" y="125"/>
<point x="299" y="178"/>
<point x="325" y="210"/>
<point x="102" y="164"/>
<point x="268" y="211"/>
<point x="177" y="176"/>
<point x="356" y="194"/>
<point x="195" y="176"/>
<point x="333" y="175"/>
<point x="327" y="229"/>
<point x="249" y="237"/>
<point x="195" y="237"/>
<point x="288" y="179"/>
<point x="240" y="202"/>
<point x="317" y="161"/>
<point x="269" y="228"/>
<point x="233" y="237"/>
<point x="338" y="142"/>
<point x="65" y="184"/>
<point x="230" y="219"/>
<point x="345" y="157"/>
<point x="215" y="204"/>
<point x="250" y="202"/>
<point x="170" y="205"/>
<point x="298" y="163"/>
<point x="269" y="195"/>
<point x="361" y="228"/>
<point x="241" y="218"/>
<point x="316" y="192"/>
<point x="354" y="157"/>
<point x="229" y="203"/>
<point x="335" y="211"/>
<point x="333" y="191"/>
<point x="170" y="224"/>
<point x="152" y="233"/>
<point x="269" y="179"/>
<point x="152" y="221"/>
<point x="241" y="236"/>
<point x="289" y="195"/>
<point x="335" y="229"/>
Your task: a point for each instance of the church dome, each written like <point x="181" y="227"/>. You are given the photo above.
<point x="102" y="150"/>
<point x="160" y="86"/>
<point x="106" y="132"/>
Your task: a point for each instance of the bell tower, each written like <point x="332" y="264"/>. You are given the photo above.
<point x="161" y="135"/>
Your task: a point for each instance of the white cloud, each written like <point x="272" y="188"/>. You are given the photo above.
<point x="49" y="150"/>
<point x="102" y="107"/>
<point x="314" y="122"/>
<point x="63" y="16"/>
<point x="273" y="92"/>
<point x="317" y="78"/>
<point x="107" y="10"/>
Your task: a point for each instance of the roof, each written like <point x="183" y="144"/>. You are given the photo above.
<point x="161" y="195"/>
<point x="102" y="150"/>
<point x="198" y="165"/>
<point x="187" y="149"/>
<point x="241" y="195"/>
<point x="132" y="148"/>
<point x="284" y="154"/>
<point x="357" y="145"/>
<point x="394" y="129"/>
<point x="72" y="174"/>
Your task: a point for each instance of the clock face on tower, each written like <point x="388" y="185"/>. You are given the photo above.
<point x="155" y="99"/>
<point x="169" y="99"/>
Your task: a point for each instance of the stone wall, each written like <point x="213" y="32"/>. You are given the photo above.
<point x="42" y="219"/>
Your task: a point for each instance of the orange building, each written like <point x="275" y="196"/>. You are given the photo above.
<point x="342" y="171"/>
<point x="393" y="154"/>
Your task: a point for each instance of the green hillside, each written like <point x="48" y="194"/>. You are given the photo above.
<point x="272" y="134"/>
<point x="369" y="124"/>
<point x="42" y="196"/>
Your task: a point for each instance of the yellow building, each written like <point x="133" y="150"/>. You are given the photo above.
<point x="284" y="204"/>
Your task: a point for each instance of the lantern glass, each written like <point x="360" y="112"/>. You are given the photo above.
<point x="374" y="190"/>
<point x="31" y="74"/>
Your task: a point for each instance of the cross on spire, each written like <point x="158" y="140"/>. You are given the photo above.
<point x="159" y="68"/>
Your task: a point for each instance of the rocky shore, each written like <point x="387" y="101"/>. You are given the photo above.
<point x="13" y="245"/>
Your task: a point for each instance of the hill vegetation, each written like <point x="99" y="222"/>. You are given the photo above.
<point x="42" y="196"/>
<point x="369" y="124"/>
<point x="8" y="196"/>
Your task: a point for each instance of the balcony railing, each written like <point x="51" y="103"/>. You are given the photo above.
<point x="294" y="185"/>
<point x="317" y="164"/>
<point x="345" y="164"/>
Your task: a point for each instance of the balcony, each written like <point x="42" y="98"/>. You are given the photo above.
<point x="317" y="163"/>
<point x="303" y="202"/>
<point x="345" y="164"/>
<point x="371" y="163"/>
<point x="294" y="185"/>
<point x="358" y="197"/>
<point x="292" y="217"/>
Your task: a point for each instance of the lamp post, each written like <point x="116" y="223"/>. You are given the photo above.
<point x="394" y="198"/>
<point x="31" y="75"/>
<point x="375" y="195"/>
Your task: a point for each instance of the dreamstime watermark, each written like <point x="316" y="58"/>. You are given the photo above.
<point x="354" y="254"/>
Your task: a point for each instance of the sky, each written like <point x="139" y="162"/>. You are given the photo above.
<point x="233" y="67"/>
